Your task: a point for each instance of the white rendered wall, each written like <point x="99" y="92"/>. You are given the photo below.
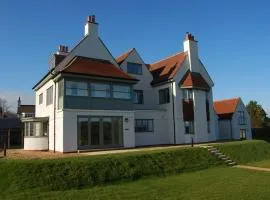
<point x="70" y="126"/>
<point x="42" y="110"/>
<point x="236" y="126"/>
<point x="35" y="143"/>
<point x="160" y="134"/>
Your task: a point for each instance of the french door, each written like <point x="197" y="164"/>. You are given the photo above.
<point x="99" y="132"/>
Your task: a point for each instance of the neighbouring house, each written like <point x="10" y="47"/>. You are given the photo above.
<point x="91" y="100"/>
<point x="25" y="110"/>
<point x="233" y="119"/>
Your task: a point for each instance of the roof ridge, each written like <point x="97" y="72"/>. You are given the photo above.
<point x="234" y="98"/>
<point x="126" y="52"/>
<point x="167" y="57"/>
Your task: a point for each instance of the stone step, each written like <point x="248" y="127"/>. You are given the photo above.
<point x="228" y="161"/>
<point x="231" y="164"/>
<point x="225" y="158"/>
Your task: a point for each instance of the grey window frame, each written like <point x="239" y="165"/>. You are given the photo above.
<point x="49" y="96"/>
<point x="164" y="96"/>
<point x="188" y="94"/>
<point x="136" y="66"/>
<point x="40" y="98"/>
<point x="139" y="95"/>
<point x="137" y="129"/>
<point x="190" y="127"/>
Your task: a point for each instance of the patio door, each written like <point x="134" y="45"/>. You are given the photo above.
<point x="100" y="132"/>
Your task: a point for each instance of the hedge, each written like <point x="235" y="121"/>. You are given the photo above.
<point x="246" y="151"/>
<point x="67" y="173"/>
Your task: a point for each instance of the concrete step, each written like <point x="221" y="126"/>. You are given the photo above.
<point x="222" y="156"/>
<point x="225" y="158"/>
<point x="231" y="163"/>
<point x="228" y="161"/>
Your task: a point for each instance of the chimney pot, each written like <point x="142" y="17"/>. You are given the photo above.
<point x="91" y="19"/>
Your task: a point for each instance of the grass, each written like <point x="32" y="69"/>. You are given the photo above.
<point x="215" y="183"/>
<point x="246" y="151"/>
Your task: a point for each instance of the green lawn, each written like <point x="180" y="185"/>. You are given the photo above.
<point x="215" y="183"/>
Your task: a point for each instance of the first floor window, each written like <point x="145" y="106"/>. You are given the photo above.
<point x="76" y="88"/>
<point x="49" y="96"/>
<point x="40" y="98"/>
<point x="241" y="118"/>
<point x="121" y="92"/>
<point x="100" y="90"/>
<point x="144" y="125"/>
<point x="189" y="127"/>
<point x="164" y="96"/>
<point x="134" y="68"/>
<point x="138" y="96"/>
<point x="188" y="94"/>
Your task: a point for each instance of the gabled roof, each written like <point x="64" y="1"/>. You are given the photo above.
<point x="120" y="59"/>
<point x="26" y="109"/>
<point x="96" y="67"/>
<point x="167" y="68"/>
<point x="225" y="108"/>
<point x="194" y="80"/>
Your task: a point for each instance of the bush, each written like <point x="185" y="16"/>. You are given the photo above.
<point x="246" y="151"/>
<point x="66" y="173"/>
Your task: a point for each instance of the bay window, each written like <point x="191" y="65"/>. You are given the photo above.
<point x="121" y="92"/>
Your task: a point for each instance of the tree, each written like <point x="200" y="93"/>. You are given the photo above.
<point x="257" y="114"/>
<point x="4" y="107"/>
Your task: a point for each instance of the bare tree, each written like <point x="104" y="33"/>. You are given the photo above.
<point x="4" y="107"/>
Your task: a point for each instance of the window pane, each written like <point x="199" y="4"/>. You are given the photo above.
<point x="107" y="130"/>
<point x="83" y="131"/>
<point x="95" y="129"/>
<point x="134" y="68"/>
<point x="144" y="125"/>
<point x="100" y="90"/>
<point x="76" y="88"/>
<point x="164" y="96"/>
<point x="138" y="96"/>
<point x="121" y="92"/>
<point x="121" y="88"/>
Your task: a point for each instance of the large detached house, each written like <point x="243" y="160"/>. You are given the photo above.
<point x="91" y="100"/>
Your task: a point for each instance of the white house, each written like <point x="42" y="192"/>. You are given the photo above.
<point x="89" y="99"/>
<point x="233" y="119"/>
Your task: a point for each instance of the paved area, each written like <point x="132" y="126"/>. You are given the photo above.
<point x="253" y="168"/>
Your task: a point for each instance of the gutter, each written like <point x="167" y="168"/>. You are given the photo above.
<point x="174" y="136"/>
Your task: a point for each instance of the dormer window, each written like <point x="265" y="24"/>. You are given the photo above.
<point x="188" y="94"/>
<point x="134" y="68"/>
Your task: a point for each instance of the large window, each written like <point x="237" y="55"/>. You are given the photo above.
<point x="138" y="96"/>
<point x="100" y="90"/>
<point x="121" y="92"/>
<point x="36" y="129"/>
<point x="189" y="127"/>
<point x="134" y="68"/>
<point x="144" y="125"/>
<point x="188" y="94"/>
<point x="49" y="96"/>
<point x="60" y="94"/>
<point x="241" y="118"/>
<point x="76" y="88"/>
<point x="40" y="98"/>
<point x="164" y="96"/>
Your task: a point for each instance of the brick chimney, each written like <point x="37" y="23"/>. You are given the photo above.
<point x="57" y="57"/>
<point x="91" y="27"/>
<point x="191" y="48"/>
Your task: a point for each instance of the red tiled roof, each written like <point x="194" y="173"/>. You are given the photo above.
<point x="165" y="69"/>
<point x="26" y="109"/>
<point x="194" y="80"/>
<point x="123" y="56"/>
<point x="96" y="67"/>
<point x="225" y="108"/>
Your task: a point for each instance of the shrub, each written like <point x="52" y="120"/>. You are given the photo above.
<point x="66" y="173"/>
<point x="246" y="151"/>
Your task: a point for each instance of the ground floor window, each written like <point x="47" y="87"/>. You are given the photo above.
<point x="242" y="133"/>
<point x="144" y="125"/>
<point x="97" y="131"/>
<point x="189" y="127"/>
<point x="36" y="128"/>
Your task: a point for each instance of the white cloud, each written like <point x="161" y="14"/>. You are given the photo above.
<point x="27" y="97"/>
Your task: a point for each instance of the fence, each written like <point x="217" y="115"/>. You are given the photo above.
<point x="10" y="138"/>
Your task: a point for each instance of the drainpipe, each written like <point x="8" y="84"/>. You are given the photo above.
<point x="174" y="136"/>
<point x="54" y="122"/>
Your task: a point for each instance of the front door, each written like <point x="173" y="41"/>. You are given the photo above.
<point x="100" y="132"/>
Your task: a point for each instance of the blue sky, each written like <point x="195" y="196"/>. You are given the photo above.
<point x="234" y="39"/>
